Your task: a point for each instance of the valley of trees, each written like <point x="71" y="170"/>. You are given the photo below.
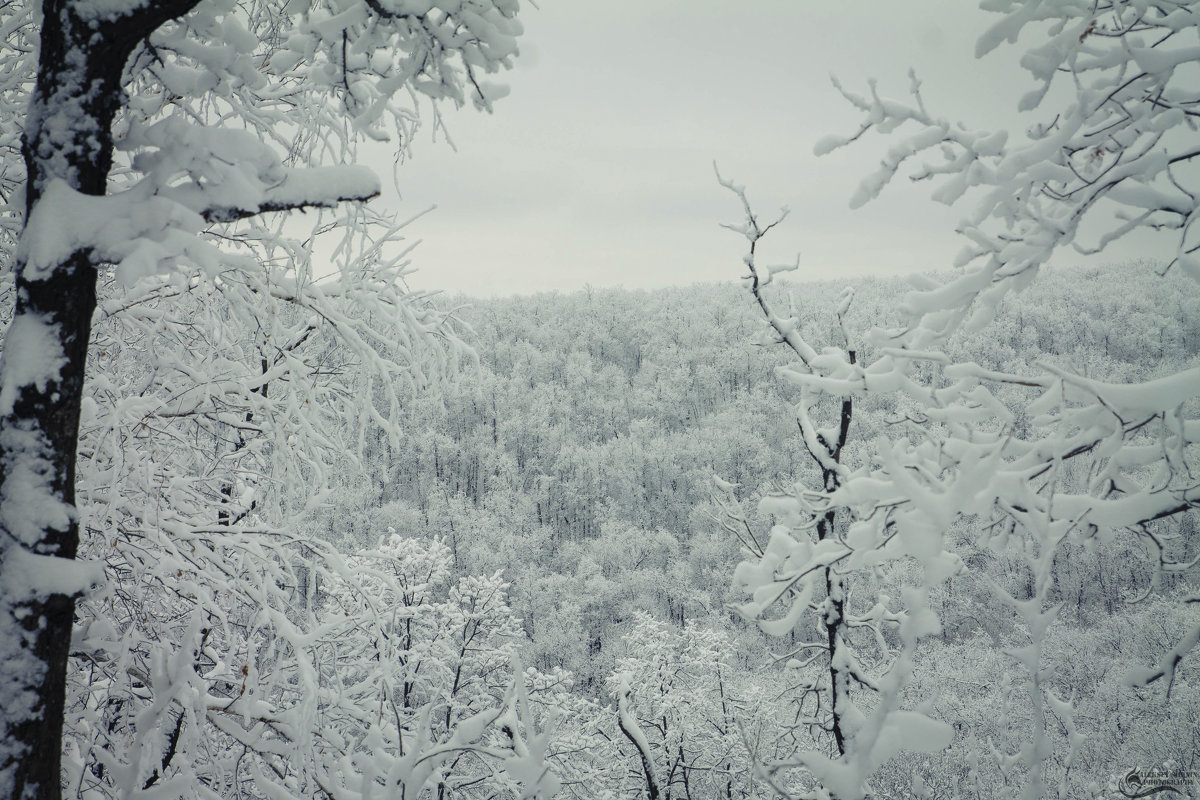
<point x="569" y="508"/>
<point x="582" y="459"/>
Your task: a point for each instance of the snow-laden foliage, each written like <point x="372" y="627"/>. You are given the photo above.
<point x="1038" y="460"/>
<point x="237" y="109"/>
<point x="687" y="713"/>
<point x="807" y="568"/>
<point x="303" y="672"/>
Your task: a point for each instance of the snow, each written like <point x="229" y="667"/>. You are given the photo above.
<point x="27" y="575"/>
<point x="109" y="10"/>
<point x="323" y="186"/>
<point x="32" y="356"/>
<point x="172" y="181"/>
<point x="28" y="503"/>
<point x="18" y="670"/>
<point x="195" y="176"/>
<point x="147" y="232"/>
<point x="1161" y="395"/>
<point x="630" y="727"/>
<point x="62" y="221"/>
<point x="909" y="731"/>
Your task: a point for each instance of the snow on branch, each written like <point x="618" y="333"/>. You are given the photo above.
<point x="312" y="187"/>
<point x="629" y="726"/>
<point x="140" y="231"/>
<point x="1116" y="154"/>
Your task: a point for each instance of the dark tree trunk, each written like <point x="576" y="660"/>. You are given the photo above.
<point x="835" y="588"/>
<point x="67" y="137"/>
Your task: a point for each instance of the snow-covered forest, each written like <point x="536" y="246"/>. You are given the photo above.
<point x="575" y="505"/>
<point x="612" y="446"/>
<point x="273" y="525"/>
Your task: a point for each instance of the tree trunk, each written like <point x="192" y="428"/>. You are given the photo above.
<point x="68" y="137"/>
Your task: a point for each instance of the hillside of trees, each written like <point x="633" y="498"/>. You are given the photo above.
<point x="591" y="460"/>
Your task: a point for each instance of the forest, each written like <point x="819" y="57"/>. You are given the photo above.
<point x="578" y="502"/>
<point x="276" y="526"/>
<point x="592" y="460"/>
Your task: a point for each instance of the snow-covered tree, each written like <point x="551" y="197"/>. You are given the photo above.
<point x="1044" y="458"/>
<point x="687" y="715"/>
<point x="384" y="671"/>
<point x="154" y="137"/>
<point x="848" y="718"/>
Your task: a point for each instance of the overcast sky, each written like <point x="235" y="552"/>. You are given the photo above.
<point x="597" y="168"/>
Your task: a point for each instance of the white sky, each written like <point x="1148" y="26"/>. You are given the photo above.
<point x="597" y="169"/>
